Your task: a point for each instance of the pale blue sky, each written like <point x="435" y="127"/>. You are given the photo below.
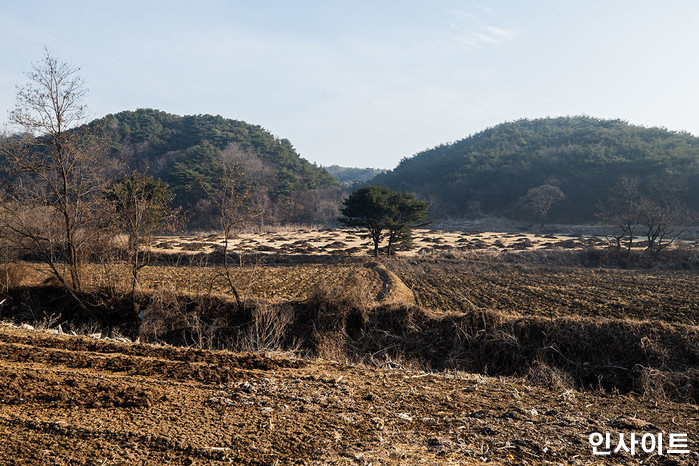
<point x="366" y="83"/>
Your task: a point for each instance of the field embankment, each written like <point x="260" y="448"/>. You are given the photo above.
<point x="470" y="349"/>
<point x="609" y="329"/>
<point x="76" y="400"/>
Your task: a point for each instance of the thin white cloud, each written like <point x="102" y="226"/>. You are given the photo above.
<point x="404" y="75"/>
<point x="501" y="34"/>
<point x="466" y="15"/>
<point x="488" y="36"/>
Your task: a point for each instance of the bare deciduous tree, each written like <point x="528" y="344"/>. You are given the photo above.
<point x="236" y="201"/>
<point x="541" y="199"/>
<point x="655" y="212"/>
<point x="56" y="169"/>
<point x="141" y="208"/>
<point x="663" y="215"/>
<point x="621" y="214"/>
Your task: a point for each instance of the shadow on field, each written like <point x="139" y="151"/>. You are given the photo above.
<point x="652" y="359"/>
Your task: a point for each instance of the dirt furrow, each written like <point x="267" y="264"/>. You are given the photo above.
<point x="55" y="409"/>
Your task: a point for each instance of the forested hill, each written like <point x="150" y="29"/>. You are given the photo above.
<point x="186" y="150"/>
<point x="350" y="175"/>
<point x="490" y="171"/>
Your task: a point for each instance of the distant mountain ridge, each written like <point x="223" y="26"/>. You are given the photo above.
<point x="489" y="171"/>
<point x="350" y="175"/>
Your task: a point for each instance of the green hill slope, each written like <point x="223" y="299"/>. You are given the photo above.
<point x="186" y="150"/>
<point x="489" y="171"/>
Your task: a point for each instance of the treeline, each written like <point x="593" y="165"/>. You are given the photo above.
<point x="492" y="172"/>
<point x="348" y="176"/>
<point x="190" y="152"/>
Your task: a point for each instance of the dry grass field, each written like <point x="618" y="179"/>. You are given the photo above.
<point x="466" y="348"/>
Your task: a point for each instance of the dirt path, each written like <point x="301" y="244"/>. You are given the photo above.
<point x="83" y="401"/>
<point x="393" y="289"/>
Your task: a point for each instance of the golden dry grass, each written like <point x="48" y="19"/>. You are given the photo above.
<point x="270" y="283"/>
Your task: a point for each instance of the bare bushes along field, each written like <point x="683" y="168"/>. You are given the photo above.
<point x="501" y="353"/>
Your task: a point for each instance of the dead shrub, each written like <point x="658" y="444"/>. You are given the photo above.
<point x="210" y="322"/>
<point x="482" y="320"/>
<point x="474" y="338"/>
<point x="332" y="346"/>
<point x="160" y="315"/>
<point x="400" y="336"/>
<point x="267" y="330"/>
<point x="397" y="320"/>
<point x="659" y="385"/>
<point x="554" y="378"/>
<point x="14" y="275"/>
<point x="185" y="319"/>
<point x="339" y="308"/>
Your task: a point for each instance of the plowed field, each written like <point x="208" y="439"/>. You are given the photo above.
<point x="671" y="296"/>
<point x="75" y="400"/>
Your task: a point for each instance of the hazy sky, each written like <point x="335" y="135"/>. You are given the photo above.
<point x="366" y="83"/>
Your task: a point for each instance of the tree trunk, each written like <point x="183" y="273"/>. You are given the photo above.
<point x="391" y="241"/>
<point x="72" y="260"/>
<point x="233" y="288"/>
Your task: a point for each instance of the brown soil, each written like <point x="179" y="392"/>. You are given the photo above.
<point x="554" y="291"/>
<point x="75" y="400"/>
